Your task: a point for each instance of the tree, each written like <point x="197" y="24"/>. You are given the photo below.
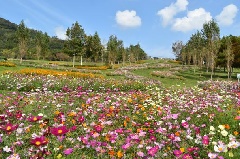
<point x="176" y="48"/>
<point x="42" y="42"/>
<point x="76" y="40"/>
<point x="211" y="32"/>
<point x="196" y="43"/>
<point x="112" y="46"/>
<point x="135" y="53"/>
<point x="23" y="36"/>
<point x="94" y="47"/>
<point x="229" y="56"/>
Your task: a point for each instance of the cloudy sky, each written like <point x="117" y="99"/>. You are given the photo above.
<point x="154" y="24"/>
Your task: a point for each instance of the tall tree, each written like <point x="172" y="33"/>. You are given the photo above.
<point x="76" y="40"/>
<point x="176" y="49"/>
<point x="112" y="47"/>
<point x="23" y="36"/>
<point x="196" y="43"/>
<point x="211" y="32"/>
<point x="42" y="44"/>
<point x="229" y="56"/>
<point x="94" y="47"/>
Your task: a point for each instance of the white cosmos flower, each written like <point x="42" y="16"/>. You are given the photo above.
<point x="212" y="128"/>
<point x="222" y="127"/>
<point x="233" y="144"/>
<point x="224" y="133"/>
<point x="7" y="149"/>
<point x="220" y="148"/>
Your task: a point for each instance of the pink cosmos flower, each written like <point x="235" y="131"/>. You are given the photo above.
<point x="237" y="118"/>
<point x="13" y="156"/>
<point x="140" y="154"/>
<point x="152" y="151"/>
<point x="187" y="156"/>
<point x="68" y="151"/>
<point x="174" y="116"/>
<point x="126" y="146"/>
<point x="212" y="155"/>
<point x="185" y="124"/>
<point x="177" y="153"/>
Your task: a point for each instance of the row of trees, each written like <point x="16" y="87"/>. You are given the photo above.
<point x="206" y="49"/>
<point x="78" y="45"/>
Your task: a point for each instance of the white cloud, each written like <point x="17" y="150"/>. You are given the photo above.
<point x="128" y="19"/>
<point x="194" y="20"/>
<point x="60" y="33"/>
<point x="227" y="15"/>
<point x="169" y="12"/>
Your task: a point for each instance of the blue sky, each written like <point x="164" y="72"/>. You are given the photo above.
<point x="154" y="24"/>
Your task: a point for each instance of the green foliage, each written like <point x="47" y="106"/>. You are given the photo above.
<point x="76" y="40"/>
<point x="94" y="48"/>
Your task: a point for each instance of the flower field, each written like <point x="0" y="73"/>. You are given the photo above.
<point x="48" y="116"/>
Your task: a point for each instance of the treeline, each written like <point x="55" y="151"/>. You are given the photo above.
<point x="18" y="41"/>
<point x="205" y="49"/>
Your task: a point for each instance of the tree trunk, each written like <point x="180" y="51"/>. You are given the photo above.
<point x="81" y="60"/>
<point x="73" y="60"/>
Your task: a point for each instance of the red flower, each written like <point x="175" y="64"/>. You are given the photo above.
<point x="9" y="127"/>
<point x="34" y="118"/>
<point x="18" y="114"/>
<point x="39" y="141"/>
<point x="58" y="131"/>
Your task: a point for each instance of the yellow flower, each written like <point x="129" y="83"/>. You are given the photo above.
<point x="119" y="154"/>
<point x="236" y="133"/>
<point x="182" y="149"/>
<point x="230" y="154"/>
<point x="59" y="156"/>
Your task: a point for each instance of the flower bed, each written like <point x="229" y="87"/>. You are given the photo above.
<point x="152" y="123"/>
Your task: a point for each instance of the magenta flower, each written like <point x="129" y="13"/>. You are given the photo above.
<point x="34" y="118"/>
<point x="58" y="131"/>
<point x="39" y="141"/>
<point x="205" y="140"/>
<point x="152" y="151"/>
<point x="9" y="127"/>
<point x="68" y="151"/>
<point x="81" y="119"/>
<point x="177" y="153"/>
<point x="185" y="124"/>
<point x="187" y="156"/>
<point x="126" y="146"/>
<point x="98" y="128"/>
<point x="153" y="138"/>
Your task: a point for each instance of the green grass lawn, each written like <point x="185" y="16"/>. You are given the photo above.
<point x="189" y="77"/>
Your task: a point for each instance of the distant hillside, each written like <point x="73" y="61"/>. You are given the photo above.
<point x="8" y="39"/>
<point x="7" y="34"/>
